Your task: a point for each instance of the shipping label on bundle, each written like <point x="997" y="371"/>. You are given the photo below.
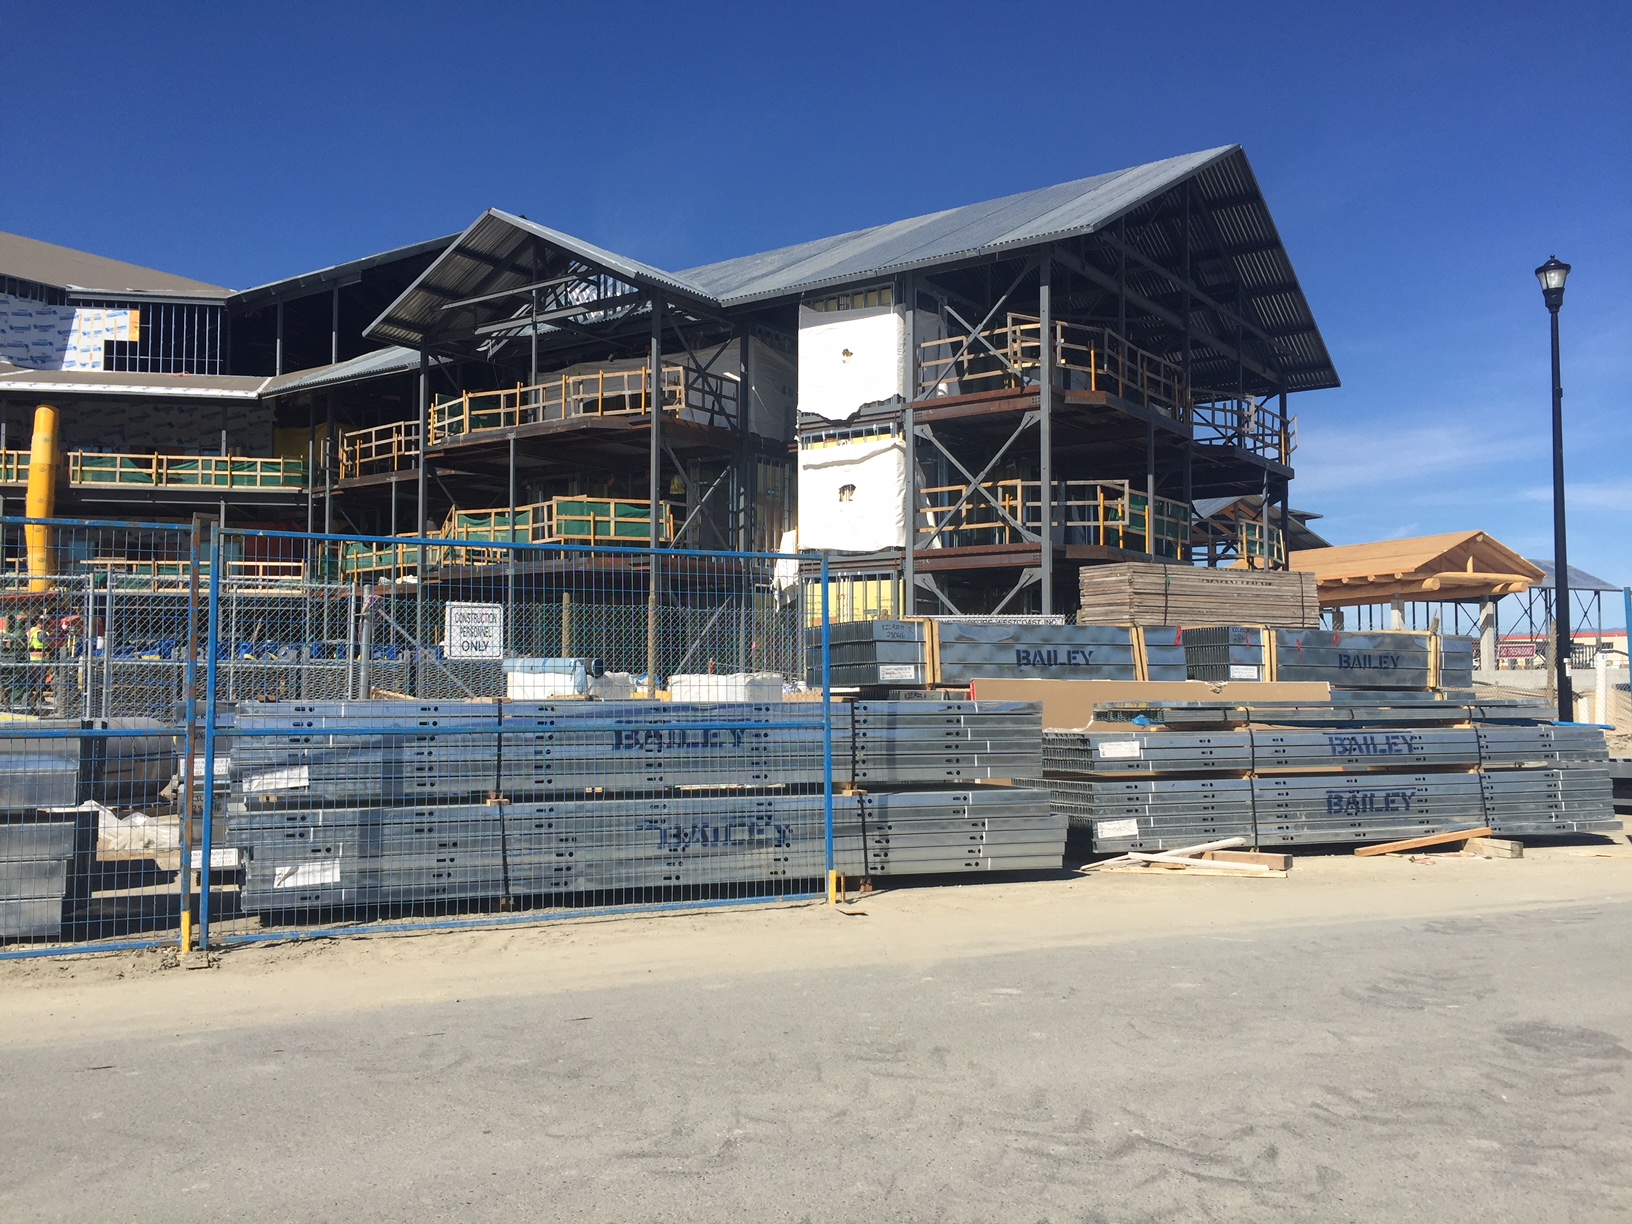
<point x="1116" y="828"/>
<point x="1120" y="750"/>
<point x="1243" y="671"/>
<point x="296" y="777"/>
<point x="307" y="875"/>
<point x="897" y="671"/>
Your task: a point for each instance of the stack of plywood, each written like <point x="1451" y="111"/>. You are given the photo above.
<point x="1146" y="593"/>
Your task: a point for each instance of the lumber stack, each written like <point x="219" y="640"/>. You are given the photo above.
<point x="1146" y="593"/>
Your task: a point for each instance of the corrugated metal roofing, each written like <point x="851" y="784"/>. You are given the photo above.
<point x="391" y="360"/>
<point x="65" y="268"/>
<point x="1246" y="270"/>
<point x="1031" y="217"/>
<point x="1580" y="580"/>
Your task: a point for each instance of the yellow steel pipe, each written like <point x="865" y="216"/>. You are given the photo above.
<point x="42" y="496"/>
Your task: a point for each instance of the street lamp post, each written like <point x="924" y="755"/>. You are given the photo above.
<point x="1552" y="276"/>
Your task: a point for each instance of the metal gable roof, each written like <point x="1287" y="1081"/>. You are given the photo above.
<point x="1243" y="265"/>
<point x="1062" y="211"/>
<point x="479" y="262"/>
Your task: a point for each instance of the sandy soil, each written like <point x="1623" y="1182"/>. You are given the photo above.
<point x="129" y="993"/>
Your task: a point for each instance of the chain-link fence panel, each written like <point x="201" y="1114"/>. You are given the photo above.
<point x="101" y="633"/>
<point x="495" y="732"/>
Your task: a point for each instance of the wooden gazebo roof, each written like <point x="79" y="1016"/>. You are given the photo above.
<point x="1425" y="569"/>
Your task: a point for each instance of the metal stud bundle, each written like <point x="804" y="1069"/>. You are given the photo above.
<point x="325" y="858"/>
<point x="1149" y="789"/>
<point x="1155" y="813"/>
<point x="400" y="803"/>
<point x="895" y="743"/>
<point x="983" y="828"/>
<point x="34" y="860"/>
<point x="1550" y="801"/>
<point x="36" y="848"/>
<point x="1388" y="660"/>
<point x="929" y="652"/>
<point x="40" y="770"/>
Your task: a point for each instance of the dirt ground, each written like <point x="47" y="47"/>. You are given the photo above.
<point x="129" y="994"/>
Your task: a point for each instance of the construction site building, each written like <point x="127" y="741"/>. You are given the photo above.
<point x="965" y="407"/>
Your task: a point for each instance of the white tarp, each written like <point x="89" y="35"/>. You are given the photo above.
<point x="852" y="496"/>
<point x="848" y="359"/>
<point x="786" y="575"/>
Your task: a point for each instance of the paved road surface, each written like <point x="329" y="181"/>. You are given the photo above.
<point x="1463" y="1068"/>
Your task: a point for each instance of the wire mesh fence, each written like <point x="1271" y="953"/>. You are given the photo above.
<point x="100" y="633"/>
<point x="490" y="733"/>
<point x="487" y="737"/>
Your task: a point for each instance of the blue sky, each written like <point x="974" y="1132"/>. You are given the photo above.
<point x="1419" y="159"/>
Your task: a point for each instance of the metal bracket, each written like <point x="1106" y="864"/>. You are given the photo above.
<point x="927" y="581"/>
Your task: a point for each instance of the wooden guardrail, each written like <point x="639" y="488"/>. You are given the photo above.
<point x="176" y="572"/>
<point x="392" y="447"/>
<point x="185" y="471"/>
<point x="478" y="537"/>
<point x="89" y="469"/>
<point x="706" y="396"/>
<point x="1105" y="512"/>
<point x="1088" y="358"/>
<point x="687" y="392"/>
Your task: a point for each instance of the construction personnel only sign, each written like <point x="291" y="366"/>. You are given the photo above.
<point x="473" y="631"/>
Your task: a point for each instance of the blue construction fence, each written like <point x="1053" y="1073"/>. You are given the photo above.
<point x="221" y="735"/>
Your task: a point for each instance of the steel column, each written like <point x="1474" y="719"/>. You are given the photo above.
<point x="212" y="638"/>
<point x="510" y="560"/>
<point x="654" y="486"/>
<point x="909" y="578"/>
<point x="328" y="469"/>
<point x="1150" y="488"/>
<point x="533" y="329"/>
<point x="1045" y="425"/>
<point x="420" y="519"/>
<point x="909" y="391"/>
<point x="827" y="732"/>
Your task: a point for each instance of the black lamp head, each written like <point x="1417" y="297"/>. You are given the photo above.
<point x="1552" y="276"/>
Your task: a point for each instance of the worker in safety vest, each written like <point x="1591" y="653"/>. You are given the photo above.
<point x="39" y="657"/>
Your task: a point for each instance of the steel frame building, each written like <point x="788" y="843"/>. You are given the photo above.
<point x="1080" y="366"/>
